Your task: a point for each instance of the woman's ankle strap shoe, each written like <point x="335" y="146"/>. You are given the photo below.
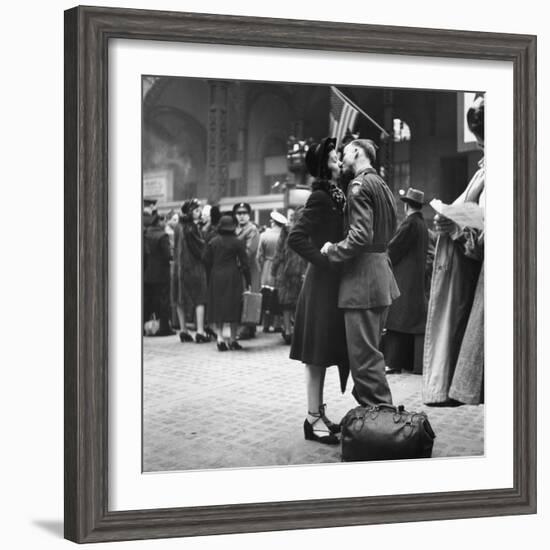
<point x="332" y="427"/>
<point x="310" y="435"/>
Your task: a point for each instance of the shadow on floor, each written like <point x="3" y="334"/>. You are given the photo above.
<point x="54" y="527"/>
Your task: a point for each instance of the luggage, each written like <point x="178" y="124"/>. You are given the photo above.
<point x="252" y="308"/>
<point x="385" y="432"/>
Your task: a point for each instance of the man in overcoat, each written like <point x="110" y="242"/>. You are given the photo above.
<point x="367" y="286"/>
<point x="403" y="343"/>
<point x="156" y="277"/>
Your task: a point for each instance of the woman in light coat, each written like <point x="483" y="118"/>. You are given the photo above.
<point x="454" y="346"/>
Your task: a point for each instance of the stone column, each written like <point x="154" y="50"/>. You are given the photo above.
<point x="242" y="136"/>
<point x="217" y="145"/>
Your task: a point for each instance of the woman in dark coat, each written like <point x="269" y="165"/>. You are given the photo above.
<point x="319" y="338"/>
<point x="190" y="271"/>
<point x="227" y="261"/>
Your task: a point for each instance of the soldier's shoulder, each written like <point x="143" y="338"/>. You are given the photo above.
<point x="355" y="185"/>
<point x="371" y="176"/>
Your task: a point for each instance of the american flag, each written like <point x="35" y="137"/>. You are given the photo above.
<point x="342" y="115"/>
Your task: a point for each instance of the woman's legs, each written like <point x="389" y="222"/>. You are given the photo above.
<point x="199" y="318"/>
<point x="184" y="335"/>
<point x="181" y="317"/>
<point x="315" y="382"/>
<point x="218" y="329"/>
<point x="316" y="425"/>
<point x="287" y="321"/>
<point x="233" y="330"/>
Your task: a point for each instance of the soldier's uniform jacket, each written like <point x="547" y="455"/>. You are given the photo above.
<point x="370" y="219"/>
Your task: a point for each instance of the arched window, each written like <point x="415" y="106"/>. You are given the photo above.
<point x="174" y="144"/>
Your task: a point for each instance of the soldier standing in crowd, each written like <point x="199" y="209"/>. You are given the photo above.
<point x="403" y="343"/>
<point x="367" y="287"/>
<point x="248" y="233"/>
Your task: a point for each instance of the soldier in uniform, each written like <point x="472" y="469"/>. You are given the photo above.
<point x="250" y="235"/>
<point x="367" y="286"/>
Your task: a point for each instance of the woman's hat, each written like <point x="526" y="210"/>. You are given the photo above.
<point x="414" y="197"/>
<point x="189" y="205"/>
<point x="277" y="217"/>
<point x="226" y="224"/>
<point x="317" y="155"/>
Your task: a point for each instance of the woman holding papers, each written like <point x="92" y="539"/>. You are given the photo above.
<point x="454" y="347"/>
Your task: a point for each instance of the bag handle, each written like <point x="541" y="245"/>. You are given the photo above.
<point x="393" y="408"/>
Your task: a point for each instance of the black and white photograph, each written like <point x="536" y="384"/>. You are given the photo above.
<point x="313" y="282"/>
<point x="290" y="258"/>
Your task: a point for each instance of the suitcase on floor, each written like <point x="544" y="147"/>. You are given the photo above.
<point x="385" y="432"/>
<point x="252" y="308"/>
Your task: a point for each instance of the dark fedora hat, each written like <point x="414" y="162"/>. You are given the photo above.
<point x="317" y="155"/>
<point x="414" y="197"/>
<point x="226" y="224"/>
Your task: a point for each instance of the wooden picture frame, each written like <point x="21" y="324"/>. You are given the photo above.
<point x="87" y="34"/>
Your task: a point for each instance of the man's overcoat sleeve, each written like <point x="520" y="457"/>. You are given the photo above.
<point x="402" y="241"/>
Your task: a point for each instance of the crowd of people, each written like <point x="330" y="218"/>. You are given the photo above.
<point x="340" y="280"/>
<point x="198" y="263"/>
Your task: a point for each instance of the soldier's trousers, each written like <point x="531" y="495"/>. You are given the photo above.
<point x="366" y="361"/>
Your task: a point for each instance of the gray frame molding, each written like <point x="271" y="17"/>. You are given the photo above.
<point x="87" y="34"/>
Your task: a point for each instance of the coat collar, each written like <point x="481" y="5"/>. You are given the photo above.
<point x="368" y="170"/>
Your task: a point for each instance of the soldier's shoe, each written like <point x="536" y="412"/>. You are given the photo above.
<point x="389" y="370"/>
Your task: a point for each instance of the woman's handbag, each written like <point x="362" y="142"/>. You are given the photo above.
<point x="152" y="326"/>
<point x="385" y="432"/>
